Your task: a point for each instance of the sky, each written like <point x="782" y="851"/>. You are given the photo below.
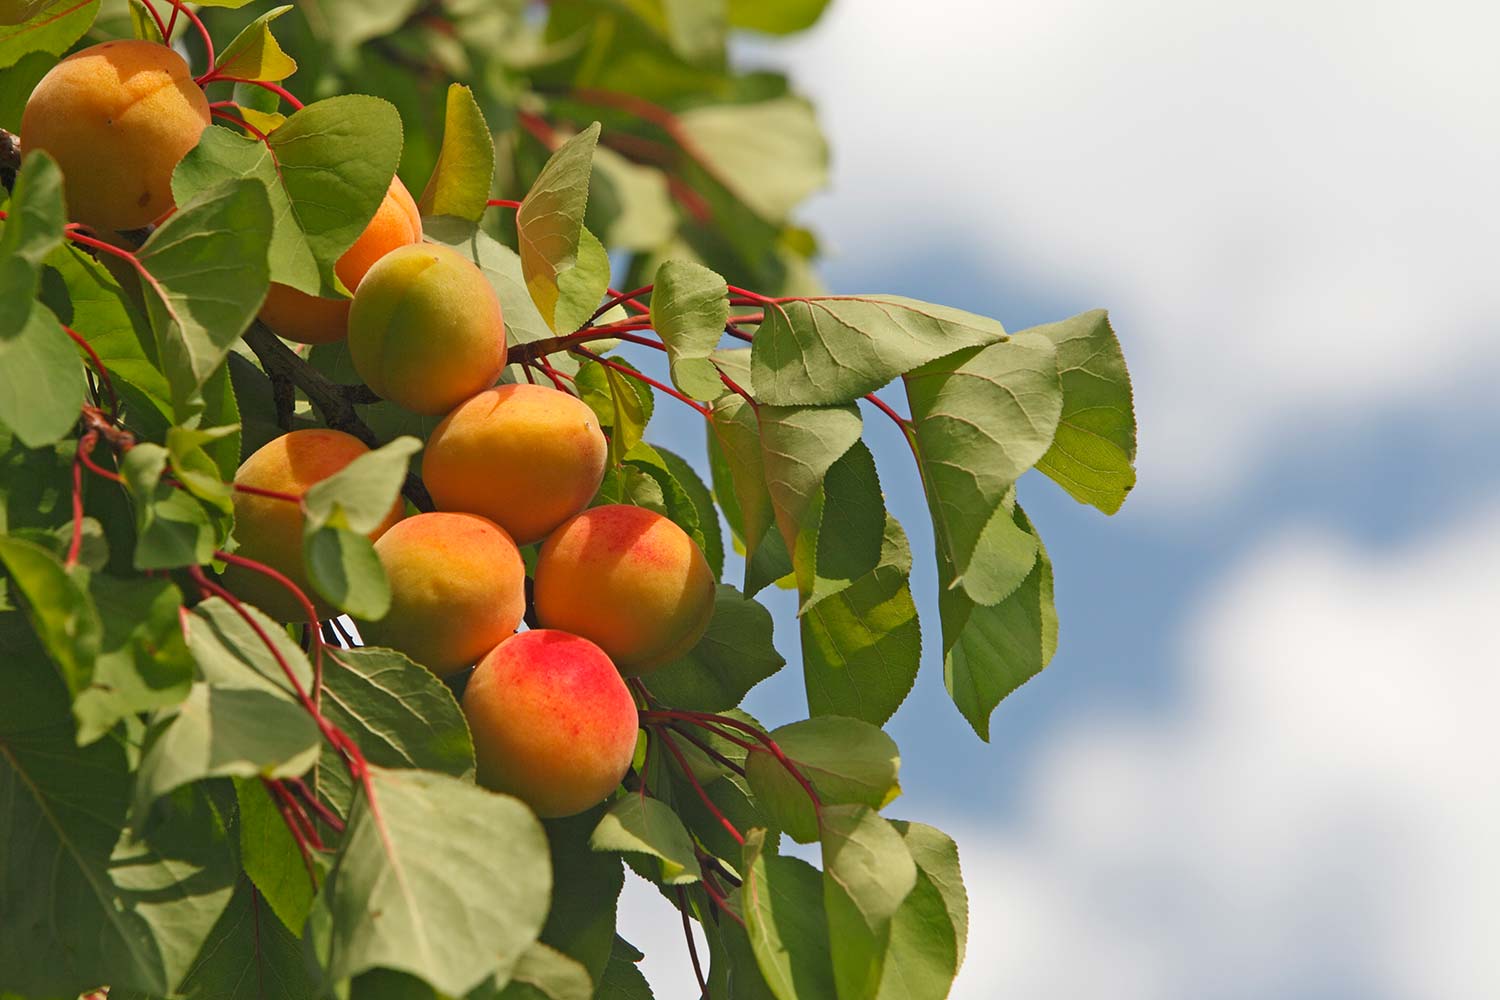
<point x="1257" y="766"/>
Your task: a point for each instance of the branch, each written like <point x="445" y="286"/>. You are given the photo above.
<point x="334" y="402"/>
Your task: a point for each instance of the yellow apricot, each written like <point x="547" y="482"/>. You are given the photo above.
<point x="527" y="457"/>
<point x="630" y="580"/>
<point x="117" y="117"/>
<point x="425" y="330"/>
<point x="308" y="319"/>
<point x="269" y="529"/>
<point x="458" y="589"/>
<point x="552" y="720"/>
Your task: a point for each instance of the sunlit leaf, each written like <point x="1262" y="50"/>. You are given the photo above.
<point x="43" y="26"/>
<point x="255" y="54"/>
<point x="460" y="183"/>
<point x="639" y="824"/>
<point x="565" y="267"/>
<point x="847" y="761"/>
<point x="733" y="656"/>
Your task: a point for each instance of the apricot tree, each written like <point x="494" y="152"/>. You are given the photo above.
<point x="355" y="635"/>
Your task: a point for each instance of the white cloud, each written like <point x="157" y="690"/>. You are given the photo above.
<point x="1284" y="204"/>
<point x="1315" y="815"/>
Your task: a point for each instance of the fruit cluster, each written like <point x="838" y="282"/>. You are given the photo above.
<point x="618" y="590"/>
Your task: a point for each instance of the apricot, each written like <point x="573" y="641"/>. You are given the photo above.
<point x="269" y="530"/>
<point x="552" y="720"/>
<point x="117" y="117"/>
<point x="458" y="589"/>
<point x="630" y="580"/>
<point x="425" y="330"/>
<point x="527" y="457"/>
<point x="308" y="319"/>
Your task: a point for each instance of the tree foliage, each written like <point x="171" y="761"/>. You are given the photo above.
<point x="198" y="801"/>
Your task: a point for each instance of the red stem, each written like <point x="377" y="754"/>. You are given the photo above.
<point x="502" y="203"/>
<point x="208" y="42"/>
<point x="72" y="233"/>
<point x="643" y="341"/>
<point x="699" y="718"/>
<point x="311" y="799"/>
<point x="642" y="377"/>
<point x="629" y="304"/>
<point x="710" y="751"/>
<point x="687" y="930"/>
<point x="722" y="903"/>
<point x="275" y="88"/>
<point x="292" y="827"/>
<point x="615" y="299"/>
<point x="85" y="445"/>
<point x="114" y="400"/>
<point x="687" y="771"/>
<point x="237" y="120"/>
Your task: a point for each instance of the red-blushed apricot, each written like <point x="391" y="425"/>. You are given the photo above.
<point x="458" y="589"/>
<point x="308" y="319"/>
<point x="117" y="117"/>
<point x="269" y="530"/>
<point x="425" y="329"/>
<point x="527" y="457"/>
<point x="630" y="580"/>
<point x="552" y="720"/>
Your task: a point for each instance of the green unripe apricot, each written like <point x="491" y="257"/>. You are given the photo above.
<point x="425" y="329"/>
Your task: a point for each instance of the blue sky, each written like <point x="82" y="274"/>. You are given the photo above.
<point x="1258" y="765"/>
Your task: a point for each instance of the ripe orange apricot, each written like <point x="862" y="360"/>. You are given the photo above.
<point x="630" y="580"/>
<point x="308" y="319"/>
<point x="552" y="720"/>
<point x="458" y="589"/>
<point x="117" y="117"/>
<point x="527" y="457"/>
<point x="269" y="530"/>
<point x="425" y="330"/>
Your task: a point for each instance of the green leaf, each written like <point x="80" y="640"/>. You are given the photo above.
<point x="255" y="54"/>
<point x="849" y="762"/>
<point x="85" y="902"/>
<point x="776" y="17"/>
<point x="32" y="230"/>
<point x="230" y="653"/>
<point x="1093" y="454"/>
<point x="346" y="572"/>
<point x="84" y="295"/>
<point x="639" y="824"/>
<point x="221" y="732"/>
<point x="271" y="859"/>
<point x="143" y="660"/>
<point x="922" y="954"/>
<point x="41" y="380"/>
<point x="706" y="530"/>
<point x="41" y="375"/>
<point x="782" y="902"/>
<point x="196" y="469"/>
<point x="734" y="655"/>
<point x="739" y="475"/>
<point x="623" y="407"/>
<point x="689" y="308"/>
<point x="249" y="955"/>
<point x="838" y="539"/>
<point x="988" y="652"/>
<point x="209" y="273"/>
<point x="502" y="267"/>
<point x="17" y="83"/>
<point x="58" y="607"/>
<point x="936" y="856"/>
<point x="461" y="180"/>
<point x="44" y="26"/>
<point x="585" y="892"/>
<point x="336" y="158"/>
<point x="799" y="444"/>
<point x="861" y="648"/>
<point x="398" y="713"/>
<point x="980" y="418"/>
<point x="545" y="973"/>
<point x="172" y="528"/>
<point x="565" y="268"/>
<point x="770" y="155"/>
<point x="346" y="24"/>
<point x="223" y="155"/>
<point x="452" y="902"/>
<point x="360" y="495"/>
<point x="867" y="874"/>
<point x="833" y="350"/>
<point x="623" y="979"/>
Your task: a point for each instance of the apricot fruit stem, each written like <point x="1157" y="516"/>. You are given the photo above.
<point x="692" y="947"/>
